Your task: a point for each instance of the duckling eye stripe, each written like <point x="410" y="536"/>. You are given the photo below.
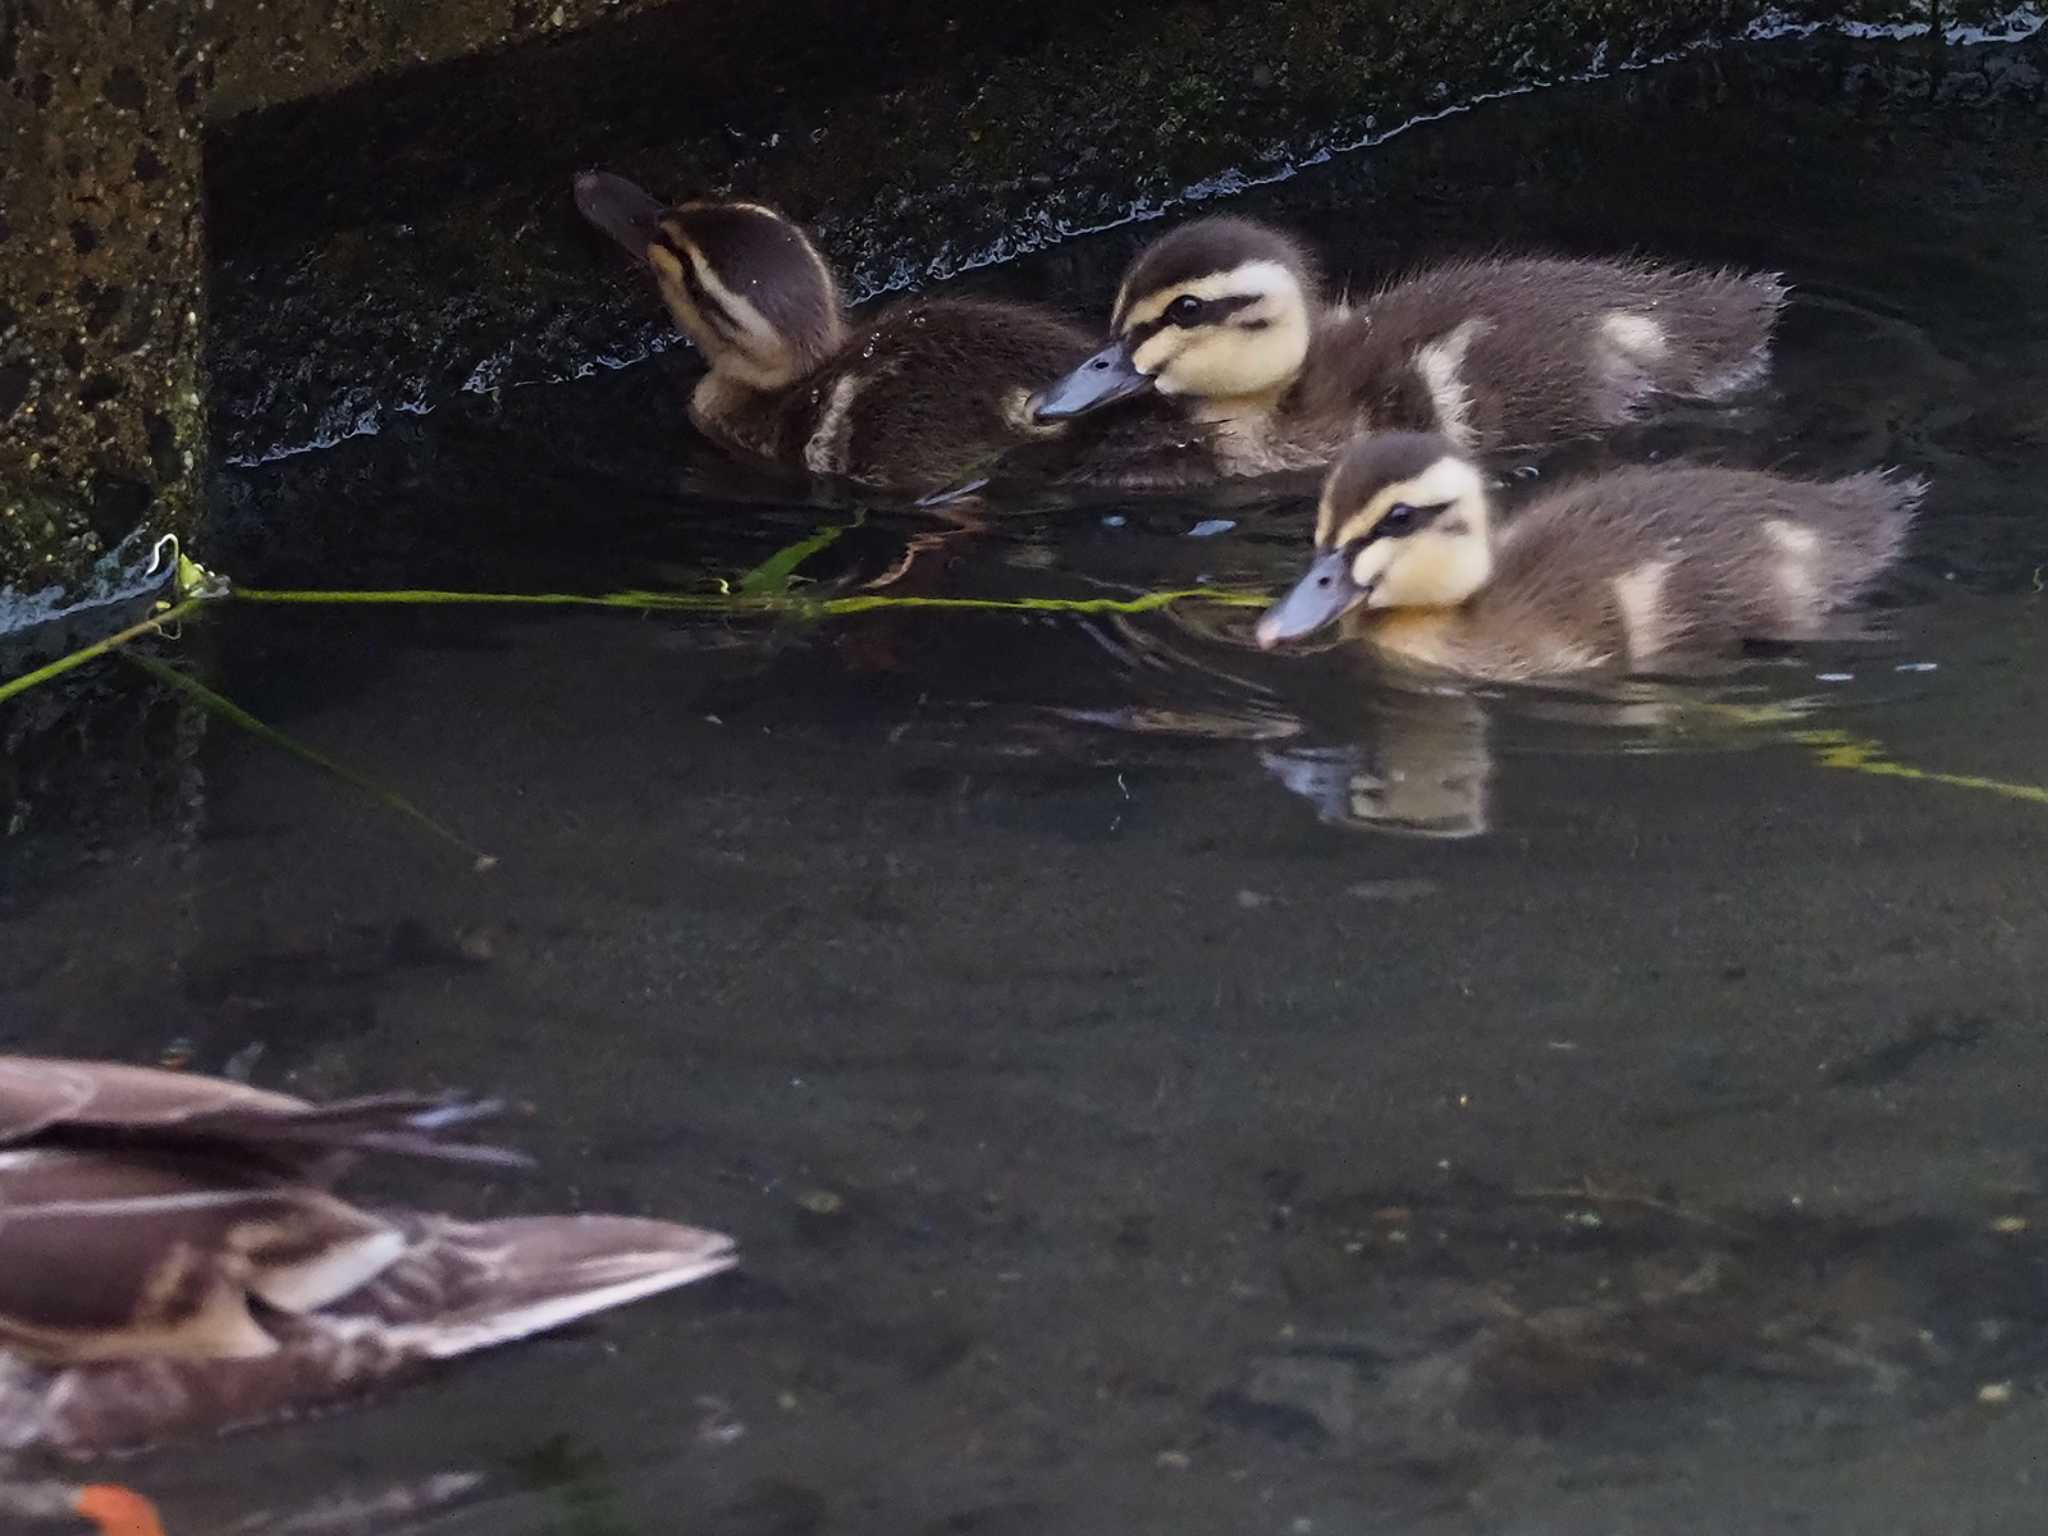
<point x="1258" y="279"/>
<point x="1213" y="311"/>
<point x="1423" y="517"/>
<point x="714" y="313"/>
<point x="1419" y="519"/>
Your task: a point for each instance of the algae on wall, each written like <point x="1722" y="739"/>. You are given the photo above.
<point x="102" y="423"/>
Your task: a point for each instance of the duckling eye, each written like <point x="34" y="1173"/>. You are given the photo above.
<point x="1399" y="517"/>
<point x="1185" y="310"/>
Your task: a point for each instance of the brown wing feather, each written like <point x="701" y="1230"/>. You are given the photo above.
<point x="111" y="1256"/>
<point x="38" y="1092"/>
<point x="166" y="1268"/>
<point x="108" y="1103"/>
<point x="460" y="1287"/>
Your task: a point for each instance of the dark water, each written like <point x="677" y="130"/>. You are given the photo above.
<point x="1158" y="1086"/>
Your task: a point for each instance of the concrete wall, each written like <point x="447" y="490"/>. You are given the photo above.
<point x="385" y="218"/>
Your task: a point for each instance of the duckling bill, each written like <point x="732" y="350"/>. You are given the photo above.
<point x="1225" y="318"/>
<point x="177" y="1260"/>
<point x="1619" y="570"/>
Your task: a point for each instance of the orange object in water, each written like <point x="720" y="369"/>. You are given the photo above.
<point x="118" y="1511"/>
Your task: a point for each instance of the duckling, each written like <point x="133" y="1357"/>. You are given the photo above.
<point x="1619" y="570"/>
<point x="923" y="396"/>
<point x="1225" y="317"/>
<point x="177" y="1260"/>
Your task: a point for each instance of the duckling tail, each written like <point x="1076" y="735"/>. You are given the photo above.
<point x="1869" y="516"/>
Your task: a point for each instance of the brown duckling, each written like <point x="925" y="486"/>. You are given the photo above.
<point x="177" y="1260"/>
<point x="1225" y="317"/>
<point x="1620" y="570"/>
<point x="923" y="395"/>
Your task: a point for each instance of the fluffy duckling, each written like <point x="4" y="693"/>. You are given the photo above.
<point x="1619" y="570"/>
<point x="177" y="1260"/>
<point x="922" y="396"/>
<point x="1225" y="316"/>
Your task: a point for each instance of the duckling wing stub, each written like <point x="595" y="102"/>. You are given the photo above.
<point x="112" y="1257"/>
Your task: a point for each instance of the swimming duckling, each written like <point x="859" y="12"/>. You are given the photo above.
<point x="176" y="1260"/>
<point x="922" y="396"/>
<point x="1225" y="316"/>
<point x="1618" y="570"/>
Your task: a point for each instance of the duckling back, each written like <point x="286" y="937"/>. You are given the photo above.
<point x="1516" y="353"/>
<point x="1651" y="561"/>
<point x="929" y="392"/>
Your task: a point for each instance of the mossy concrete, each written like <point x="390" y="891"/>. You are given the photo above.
<point x="386" y="204"/>
<point x="102" y="291"/>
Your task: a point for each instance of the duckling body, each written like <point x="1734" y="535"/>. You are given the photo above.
<point x="922" y="395"/>
<point x="177" y="1260"/>
<point x="927" y="392"/>
<point x="1224" y="317"/>
<point x="1622" y="570"/>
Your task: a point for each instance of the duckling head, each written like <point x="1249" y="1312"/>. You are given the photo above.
<point x="744" y="283"/>
<point x="1402" y="524"/>
<point x="1217" y="313"/>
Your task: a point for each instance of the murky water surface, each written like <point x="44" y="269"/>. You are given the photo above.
<point x="1158" y="1086"/>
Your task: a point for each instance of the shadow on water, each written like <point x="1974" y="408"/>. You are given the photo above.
<point x="1122" y="1130"/>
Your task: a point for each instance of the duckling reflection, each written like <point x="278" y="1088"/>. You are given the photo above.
<point x="1225" y="318"/>
<point x="1618" y="571"/>
<point x="1425" y="768"/>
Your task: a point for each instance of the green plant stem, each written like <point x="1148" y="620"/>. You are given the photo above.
<point x="78" y="658"/>
<point x="228" y="710"/>
<point x="712" y="602"/>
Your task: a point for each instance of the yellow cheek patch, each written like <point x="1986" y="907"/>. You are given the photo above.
<point x="668" y="277"/>
<point x="1371" y="562"/>
<point x="1158" y="349"/>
